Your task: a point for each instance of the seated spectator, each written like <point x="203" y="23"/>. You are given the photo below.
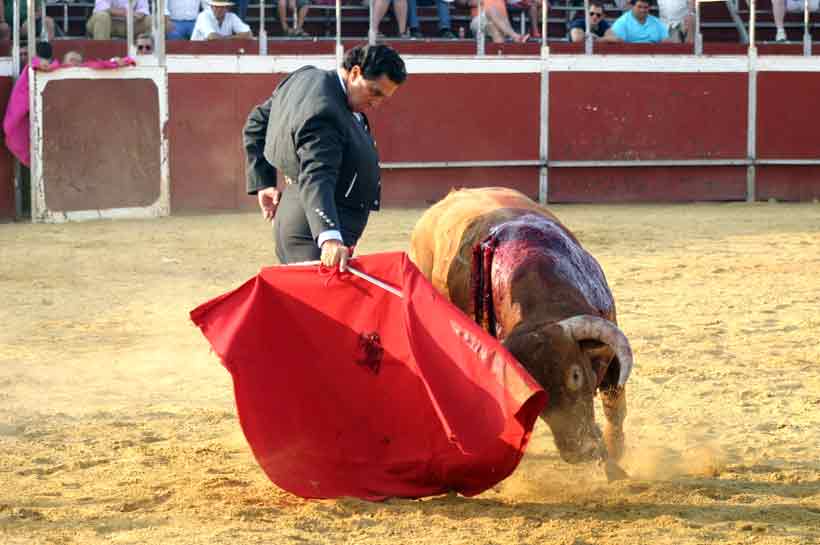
<point x="597" y="24"/>
<point x="242" y="9"/>
<point x="7" y="14"/>
<point x="145" y="44"/>
<point x="637" y="26"/>
<point x="16" y="119"/>
<point x="218" y="23"/>
<point x="73" y="58"/>
<point x="533" y="9"/>
<point x="443" y="9"/>
<point x="300" y="9"/>
<point x="108" y="19"/>
<point x="180" y="18"/>
<point x="399" y="10"/>
<point x="678" y="16"/>
<point x="779" y="9"/>
<point x="495" y="21"/>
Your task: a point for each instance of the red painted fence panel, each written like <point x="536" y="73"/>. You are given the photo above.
<point x="788" y="183"/>
<point x="205" y="134"/>
<point x="628" y="116"/>
<point x="7" y="208"/>
<point x="647" y="184"/>
<point x="460" y="117"/>
<point x="421" y="187"/>
<point x="787" y="115"/>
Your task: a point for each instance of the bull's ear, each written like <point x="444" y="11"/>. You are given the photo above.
<point x="600" y="357"/>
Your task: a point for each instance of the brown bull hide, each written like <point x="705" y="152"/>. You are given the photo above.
<point x="542" y="285"/>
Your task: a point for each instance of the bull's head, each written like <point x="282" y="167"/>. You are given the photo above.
<point x="571" y="360"/>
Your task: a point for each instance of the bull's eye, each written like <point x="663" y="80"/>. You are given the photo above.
<point x="575" y="378"/>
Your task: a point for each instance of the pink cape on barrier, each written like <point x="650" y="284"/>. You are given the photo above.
<point x="16" y="121"/>
<point x="346" y="389"/>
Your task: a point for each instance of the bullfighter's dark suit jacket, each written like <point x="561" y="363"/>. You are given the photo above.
<point x="307" y="131"/>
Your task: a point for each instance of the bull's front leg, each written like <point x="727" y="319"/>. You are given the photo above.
<point x="614" y="404"/>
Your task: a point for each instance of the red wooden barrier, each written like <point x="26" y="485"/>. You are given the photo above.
<point x="647" y="184"/>
<point x="628" y="116"/>
<point x="458" y="117"/>
<point x="422" y="187"/>
<point x="102" y="149"/>
<point x="7" y="207"/>
<point x="205" y="137"/>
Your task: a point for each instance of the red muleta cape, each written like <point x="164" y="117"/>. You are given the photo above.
<point x="346" y="389"/>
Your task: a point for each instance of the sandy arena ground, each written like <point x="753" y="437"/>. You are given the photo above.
<point x="117" y="425"/>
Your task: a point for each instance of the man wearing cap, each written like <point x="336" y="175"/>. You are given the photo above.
<point x="218" y="22"/>
<point x="313" y="131"/>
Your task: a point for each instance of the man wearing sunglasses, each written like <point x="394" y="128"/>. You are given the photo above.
<point x="597" y="24"/>
<point x="145" y="44"/>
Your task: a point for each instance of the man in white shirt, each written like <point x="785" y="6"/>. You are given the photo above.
<point x="216" y="23"/>
<point x="180" y="17"/>
<point x="678" y="16"/>
<point x="108" y="19"/>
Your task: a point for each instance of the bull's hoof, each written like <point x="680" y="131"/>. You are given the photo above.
<point x="614" y="472"/>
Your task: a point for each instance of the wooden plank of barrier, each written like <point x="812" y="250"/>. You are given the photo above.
<point x="106" y="155"/>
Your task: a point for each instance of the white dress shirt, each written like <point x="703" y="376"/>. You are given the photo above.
<point x="140" y="6"/>
<point x="206" y="24"/>
<point x="182" y="10"/>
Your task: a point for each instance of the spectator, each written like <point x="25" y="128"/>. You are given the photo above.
<point x="242" y="9"/>
<point x="7" y="14"/>
<point x="779" y="9"/>
<point x="145" y="44"/>
<point x="180" y="18"/>
<point x="299" y="9"/>
<point x="217" y="23"/>
<point x="533" y="9"/>
<point x="16" y="119"/>
<point x="637" y="26"/>
<point x="73" y="58"/>
<point x="678" y="16"/>
<point x="597" y="24"/>
<point x="779" y="14"/>
<point x="399" y="10"/>
<point x="443" y="9"/>
<point x="108" y="19"/>
<point x="45" y="53"/>
<point x="495" y="21"/>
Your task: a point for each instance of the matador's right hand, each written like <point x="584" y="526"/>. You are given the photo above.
<point x="334" y="252"/>
<point x="269" y="201"/>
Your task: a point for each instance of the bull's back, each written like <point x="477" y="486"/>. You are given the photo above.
<point x="445" y="234"/>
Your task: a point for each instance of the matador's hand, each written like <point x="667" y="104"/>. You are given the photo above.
<point x="333" y="253"/>
<point x="269" y="201"/>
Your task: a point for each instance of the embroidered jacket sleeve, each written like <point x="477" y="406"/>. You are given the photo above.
<point x="261" y="173"/>
<point x="319" y="147"/>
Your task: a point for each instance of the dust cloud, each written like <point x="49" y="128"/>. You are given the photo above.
<point x="117" y="424"/>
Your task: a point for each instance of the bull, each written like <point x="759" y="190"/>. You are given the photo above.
<point x="513" y="266"/>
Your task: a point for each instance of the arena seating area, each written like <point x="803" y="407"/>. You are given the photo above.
<point x="717" y="23"/>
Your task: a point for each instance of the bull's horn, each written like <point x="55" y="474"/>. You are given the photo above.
<point x="586" y="327"/>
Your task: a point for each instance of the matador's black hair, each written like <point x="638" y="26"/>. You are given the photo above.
<point x="376" y="61"/>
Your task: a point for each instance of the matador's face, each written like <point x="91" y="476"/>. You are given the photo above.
<point x="363" y="93"/>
